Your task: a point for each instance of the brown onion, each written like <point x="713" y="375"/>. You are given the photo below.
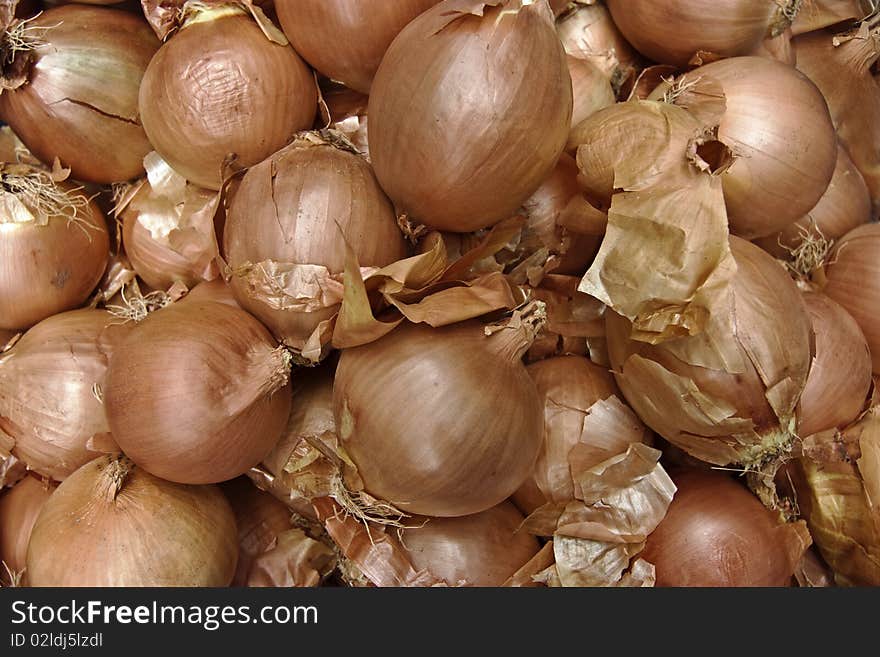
<point x="591" y="89"/>
<point x="50" y="391"/>
<point x="286" y="232"/>
<point x="440" y="422"/>
<point x="219" y="87"/>
<point x="216" y="290"/>
<point x="588" y="32"/>
<point x="78" y="100"/>
<point x="345" y="39"/>
<point x="853" y="281"/>
<point x="716" y="533"/>
<point x="53" y="246"/>
<point x="19" y="508"/>
<point x="114" y="524"/>
<point x="197" y="393"/>
<point x="461" y="171"/>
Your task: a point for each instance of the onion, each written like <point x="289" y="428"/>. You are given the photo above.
<point x="591" y="89"/>
<point x="853" y="281"/>
<point x="673" y="31"/>
<point x="286" y="233"/>
<point x="588" y="32"/>
<point x="817" y="14"/>
<point x="219" y="87"/>
<point x="197" y="393"/>
<point x="114" y="524"/>
<point x="840" y="376"/>
<point x="786" y="159"/>
<point x="216" y="290"/>
<point x="716" y="533"/>
<point x="53" y="246"/>
<point x="74" y="95"/>
<point x="779" y="47"/>
<point x="345" y="39"/>
<point x="440" y="422"/>
<point x="462" y="171"/>
<point x="348" y="114"/>
<point x="50" y="391"/>
<point x="19" y="508"/>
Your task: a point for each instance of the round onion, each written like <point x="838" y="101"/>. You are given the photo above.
<point x="50" y="391"/>
<point x="219" y="87"/>
<point x="197" y="392"/>
<point x="716" y="533"/>
<point x="287" y="228"/>
<point x="440" y="422"/>
<point x="588" y="32"/>
<point x="113" y="524"/>
<point x="78" y="101"/>
<point x="345" y="39"/>
<point x="853" y="281"/>
<point x="53" y="246"/>
<point x="462" y="171"/>
<point x="19" y="508"/>
<point x="591" y="89"/>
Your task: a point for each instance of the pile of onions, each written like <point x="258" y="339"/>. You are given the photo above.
<point x="716" y="533"/>
<point x="853" y="281"/>
<point x="50" y="391"/>
<point x="78" y="99"/>
<point x="503" y="61"/>
<point x="286" y="233"/>
<point x="219" y="88"/>
<point x="19" y="508"/>
<point x="114" y="524"/>
<point x="197" y="393"/>
<point x="440" y="422"/>
<point x="53" y="246"/>
<point x="346" y="39"/>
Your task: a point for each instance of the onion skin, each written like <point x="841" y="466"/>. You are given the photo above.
<point x="216" y="290"/>
<point x="716" y="533"/>
<point x="817" y="14"/>
<point x="591" y="89"/>
<point x="853" y="281"/>
<point x="19" y="508"/>
<point x="346" y="39"/>
<point x="113" y="524"/>
<point x="197" y="393"/>
<point x="427" y="154"/>
<point x="588" y="32"/>
<point x="221" y="87"/>
<point x="81" y="101"/>
<point x="48" y="380"/>
<point x="465" y="441"/>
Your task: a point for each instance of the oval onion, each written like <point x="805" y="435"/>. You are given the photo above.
<point x="19" y="508"/>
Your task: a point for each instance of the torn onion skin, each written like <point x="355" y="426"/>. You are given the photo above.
<point x="19" y="508"/>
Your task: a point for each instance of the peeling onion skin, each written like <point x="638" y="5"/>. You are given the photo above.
<point x="19" y="508"/>
<point x="588" y="32"/>
<point x="221" y="87"/>
<point x="113" y="524"/>
<point x="437" y="421"/>
<point x="346" y="39"/>
<point x="197" y="393"/>
<point x="424" y="148"/>
<point x="483" y="549"/>
<point x="81" y="103"/>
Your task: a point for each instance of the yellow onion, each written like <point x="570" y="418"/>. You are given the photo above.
<point x="461" y="171"/>
<point x="50" y="391"/>
<point x="113" y="524"/>
<point x="286" y="232"/>
<point x="840" y="376"/>
<point x="591" y="89"/>
<point x="440" y="422"/>
<point x="345" y="39"/>
<point x="197" y="393"/>
<point x="19" y="508"/>
<point x="853" y="281"/>
<point x="728" y="394"/>
<point x="673" y="31"/>
<point x="716" y="533"/>
<point x="74" y="95"/>
<point x="817" y="14"/>
<point x="840" y="65"/>
<point x="53" y="246"/>
<point x="588" y="32"/>
<point x="219" y="87"/>
<point x="785" y="159"/>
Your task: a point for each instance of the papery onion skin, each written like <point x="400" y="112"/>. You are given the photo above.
<point x="220" y="87"/>
<point x="197" y="393"/>
<point x="346" y="39"/>
<point x="483" y="549"/>
<point x="438" y="421"/>
<point x="425" y="150"/>
<point x="853" y="281"/>
<point x="717" y="533"/>
<point x="588" y="32"/>
<point x="817" y="14"/>
<point x="113" y="524"/>
<point x="81" y="101"/>
<point x="19" y="508"/>
<point x="50" y="386"/>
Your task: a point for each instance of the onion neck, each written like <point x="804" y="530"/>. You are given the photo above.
<point x="512" y="338"/>
<point x="113" y="476"/>
<point x="860" y="48"/>
<point x="276" y="369"/>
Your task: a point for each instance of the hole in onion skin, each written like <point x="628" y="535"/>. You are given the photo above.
<point x="19" y="508"/>
<point x="113" y="524"/>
